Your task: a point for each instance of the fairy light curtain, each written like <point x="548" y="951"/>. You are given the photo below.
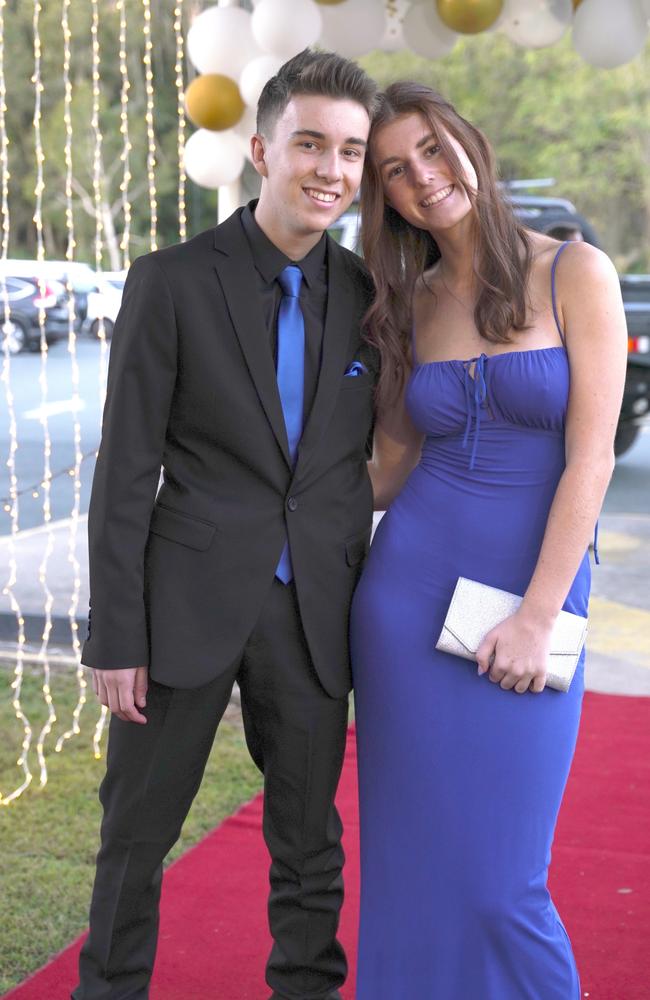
<point x="113" y="198"/>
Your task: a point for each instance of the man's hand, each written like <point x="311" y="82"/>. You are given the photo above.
<point x="123" y="691"/>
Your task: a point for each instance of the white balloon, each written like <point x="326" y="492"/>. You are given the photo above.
<point x="354" y="27"/>
<point x="536" y="23"/>
<point x="286" y="27"/>
<point x="425" y="33"/>
<point x="213" y="158"/>
<point x="244" y="129"/>
<point x="606" y="38"/>
<point x="255" y="75"/>
<point x="220" y="40"/>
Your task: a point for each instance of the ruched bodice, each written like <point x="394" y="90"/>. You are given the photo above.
<point x="476" y="397"/>
<point x="460" y="781"/>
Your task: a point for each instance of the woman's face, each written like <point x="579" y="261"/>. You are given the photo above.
<point x="417" y="179"/>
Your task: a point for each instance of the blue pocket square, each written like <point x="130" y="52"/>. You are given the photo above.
<point x="356" y="368"/>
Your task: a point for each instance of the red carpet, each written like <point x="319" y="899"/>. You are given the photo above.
<point x="214" y="938"/>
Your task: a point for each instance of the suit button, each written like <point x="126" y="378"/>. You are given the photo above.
<point x="292" y="503"/>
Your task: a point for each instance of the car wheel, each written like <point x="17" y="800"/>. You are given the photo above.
<point x="14" y="335"/>
<point x="108" y="328"/>
<point x="626" y="435"/>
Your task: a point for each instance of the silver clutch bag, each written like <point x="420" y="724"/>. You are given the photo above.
<point x="475" y="609"/>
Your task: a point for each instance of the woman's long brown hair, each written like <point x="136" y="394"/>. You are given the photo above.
<point x="397" y="253"/>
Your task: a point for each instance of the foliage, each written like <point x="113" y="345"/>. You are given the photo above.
<point x="549" y="114"/>
<point x="49" y="836"/>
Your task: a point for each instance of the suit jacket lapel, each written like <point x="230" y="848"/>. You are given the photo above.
<point x="336" y="337"/>
<point x="235" y="270"/>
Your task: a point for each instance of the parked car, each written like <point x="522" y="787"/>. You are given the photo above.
<point x="636" y="397"/>
<point x="559" y="218"/>
<point x="80" y="276"/>
<point x="104" y="302"/>
<point x="25" y="299"/>
<point x="97" y="295"/>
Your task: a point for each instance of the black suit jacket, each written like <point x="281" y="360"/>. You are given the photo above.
<point x="178" y="579"/>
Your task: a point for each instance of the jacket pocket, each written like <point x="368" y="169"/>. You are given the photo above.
<point x="356" y="549"/>
<point x="182" y="528"/>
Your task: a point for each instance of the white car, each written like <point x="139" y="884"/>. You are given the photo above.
<point x="346" y="229"/>
<point x="104" y="303"/>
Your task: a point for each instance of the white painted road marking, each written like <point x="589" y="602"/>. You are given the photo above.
<point x="53" y="409"/>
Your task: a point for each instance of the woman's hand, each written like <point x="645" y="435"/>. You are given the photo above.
<point x="515" y="653"/>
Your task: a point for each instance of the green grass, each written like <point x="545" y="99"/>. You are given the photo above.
<point x="49" y="835"/>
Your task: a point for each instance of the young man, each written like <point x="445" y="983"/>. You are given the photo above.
<point x="237" y="364"/>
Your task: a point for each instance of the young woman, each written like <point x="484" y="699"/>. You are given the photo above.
<point x="503" y="362"/>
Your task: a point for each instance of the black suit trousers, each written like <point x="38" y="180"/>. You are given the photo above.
<point x="296" y="735"/>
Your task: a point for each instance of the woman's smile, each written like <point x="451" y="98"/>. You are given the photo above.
<point x="440" y="195"/>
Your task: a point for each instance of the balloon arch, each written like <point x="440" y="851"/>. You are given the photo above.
<point x="236" y="51"/>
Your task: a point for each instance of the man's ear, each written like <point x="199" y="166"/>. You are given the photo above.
<point x="258" y="154"/>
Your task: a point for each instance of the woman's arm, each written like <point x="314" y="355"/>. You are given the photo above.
<point x="593" y="319"/>
<point x="397" y="444"/>
<point x="395" y="453"/>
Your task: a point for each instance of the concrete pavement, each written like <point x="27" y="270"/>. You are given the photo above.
<point x="43" y="558"/>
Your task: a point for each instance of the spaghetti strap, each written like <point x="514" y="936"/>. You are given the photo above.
<point x="553" y="269"/>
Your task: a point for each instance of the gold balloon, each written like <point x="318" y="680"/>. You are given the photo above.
<point x="213" y="101"/>
<point x="576" y="4"/>
<point x="469" y="16"/>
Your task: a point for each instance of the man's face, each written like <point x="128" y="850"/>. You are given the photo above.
<point x="312" y="162"/>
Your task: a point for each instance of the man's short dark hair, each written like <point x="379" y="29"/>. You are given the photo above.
<point x="324" y="74"/>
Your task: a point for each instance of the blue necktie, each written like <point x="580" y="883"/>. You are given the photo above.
<point x="291" y="376"/>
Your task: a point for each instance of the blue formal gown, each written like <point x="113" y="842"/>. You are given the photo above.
<point x="461" y="781"/>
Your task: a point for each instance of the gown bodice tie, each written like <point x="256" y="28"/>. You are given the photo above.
<point x="475" y="398"/>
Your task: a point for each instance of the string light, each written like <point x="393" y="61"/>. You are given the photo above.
<point x="17" y="683"/>
<point x="42" y="490"/>
<point x="34" y="490"/>
<point x="75" y="471"/>
<point x="13" y="437"/>
<point x="99" y="730"/>
<point x="180" y="108"/>
<point x="47" y="447"/>
<point x="149" y="115"/>
<point x="101" y="332"/>
<point x="97" y="189"/>
<point x="124" y="130"/>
